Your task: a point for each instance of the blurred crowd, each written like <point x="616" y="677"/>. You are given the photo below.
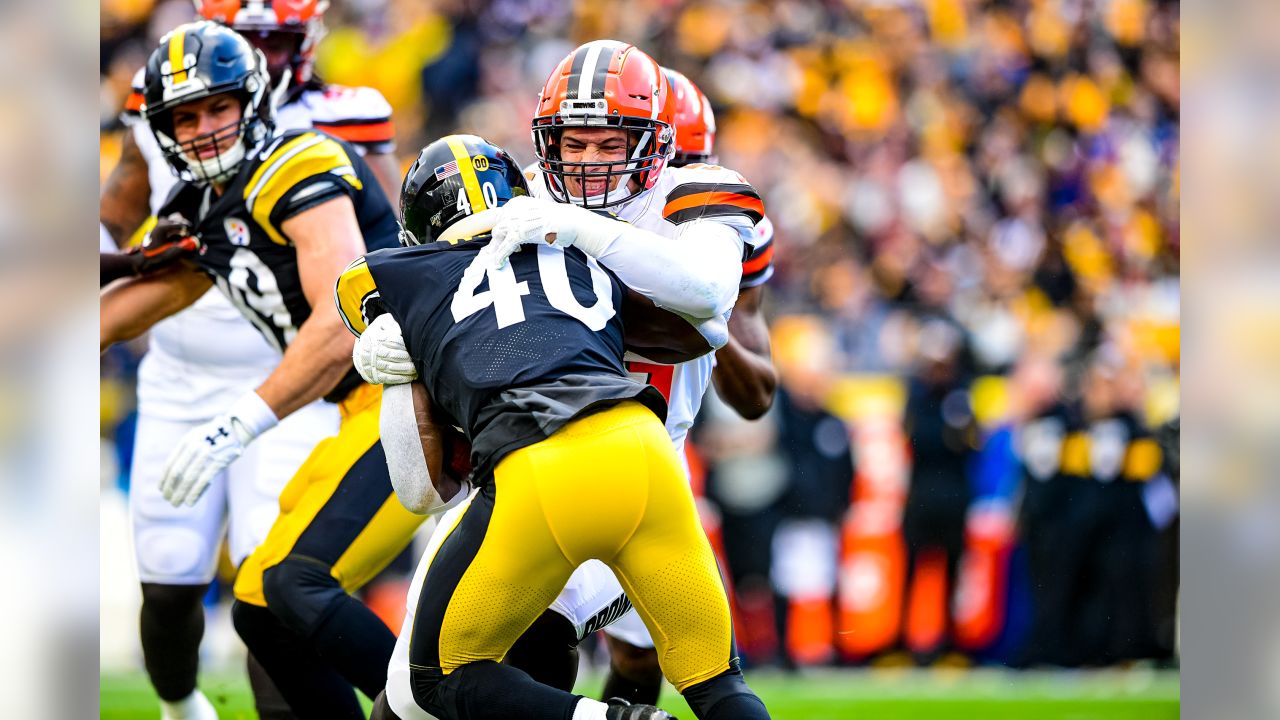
<point x="975" y="310"/>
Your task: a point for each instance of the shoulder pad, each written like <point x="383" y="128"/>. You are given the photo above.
<point x="354" y="294"/>
<point x="355" y="114"/>
<point x="706" y="191"/>
<point x="289" y="159"/>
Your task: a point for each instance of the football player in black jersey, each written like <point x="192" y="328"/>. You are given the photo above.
<point x="278" y="215"/>
<point x="572" y="460"/>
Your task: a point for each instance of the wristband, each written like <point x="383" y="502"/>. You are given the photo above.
<point x="251" y="416"/>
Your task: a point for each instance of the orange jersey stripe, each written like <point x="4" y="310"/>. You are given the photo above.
<point x="133" y="103"/>
<point x="373" y="132"/>
<point x="745" y="202"/>
<point x="758" y="262"/>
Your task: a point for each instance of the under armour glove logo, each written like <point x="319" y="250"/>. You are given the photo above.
<point x="213" y="439"/>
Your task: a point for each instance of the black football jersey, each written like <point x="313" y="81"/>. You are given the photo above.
<point x="509" y="355"/>
<point x="246" y="252"/>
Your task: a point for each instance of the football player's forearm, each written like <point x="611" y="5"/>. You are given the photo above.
<point x="317" y="359"/>
<point x="124" y="203"/>
<point x="745" y="380"/>
<point x="127" y="308"/>
<point x="744" y="374"/>
<point x="697" y="277"/>
<point x="326" y="238"/>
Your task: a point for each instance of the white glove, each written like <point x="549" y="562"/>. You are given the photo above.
<point x="527" y="220"/>
<point x="208" y="449"/>
<point x="380" y="355"/>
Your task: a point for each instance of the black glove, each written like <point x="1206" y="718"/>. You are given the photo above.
<point x="171" y="240"/>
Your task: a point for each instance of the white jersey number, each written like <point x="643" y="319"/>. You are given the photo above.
<point x="260" y="300"/>
<point x="505" y="294"/>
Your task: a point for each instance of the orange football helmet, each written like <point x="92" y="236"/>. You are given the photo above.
<point x="606" y="83"/>
<point x="695" y="123"/>
<point x="261" y="21"/>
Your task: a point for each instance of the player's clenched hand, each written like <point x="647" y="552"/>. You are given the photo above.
<point x="380" y="355"/>
<point x="169" y="241"/>
<point x="208" y="449"/>
<point x="526" y="220"/>
<point x="522" y="220"/>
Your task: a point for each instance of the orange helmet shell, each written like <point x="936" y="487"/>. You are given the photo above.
<point x="280" y="13"/>
<point x="695" y="123"/>
<point x="305" y="17"/>
<point x="606" y="83"/>
<point x="630" y="83"/>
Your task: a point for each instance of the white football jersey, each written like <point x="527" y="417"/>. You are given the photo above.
<point x="201" y="359"/>
<point x="681" y="195"/>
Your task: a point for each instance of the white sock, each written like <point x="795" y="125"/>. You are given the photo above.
<point x="588" y="709"/>
<point x="193" y="707"/>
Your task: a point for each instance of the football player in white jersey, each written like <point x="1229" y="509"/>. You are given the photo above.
<point x="202" y="359"/>
<point x="744" y="377"/>
<point x="603" y="136"/>
<point x="688" y="194"/>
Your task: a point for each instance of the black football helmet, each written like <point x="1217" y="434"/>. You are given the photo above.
<point x="453" y="178"/>
<point x="195" y="61"/>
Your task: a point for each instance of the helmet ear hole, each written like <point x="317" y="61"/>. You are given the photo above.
<point x="407" y="238"/>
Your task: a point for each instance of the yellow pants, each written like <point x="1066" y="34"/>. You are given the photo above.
<point x="339" y="509"/>
<point x="608" y="486"/>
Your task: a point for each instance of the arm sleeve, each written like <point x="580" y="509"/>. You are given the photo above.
<point x="695" y="273"/>
<point x="758" y="267"/>
<point x="406" y="463"/>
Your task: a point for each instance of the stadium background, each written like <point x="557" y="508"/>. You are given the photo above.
<point x="982" y="184"/>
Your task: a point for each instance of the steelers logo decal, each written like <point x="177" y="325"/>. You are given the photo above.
<point x="237" y="231"/>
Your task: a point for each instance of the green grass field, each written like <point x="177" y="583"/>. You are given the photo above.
<point x="825" y="695"/>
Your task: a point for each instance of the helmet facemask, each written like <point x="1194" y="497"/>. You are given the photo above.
<point x="249" y="132"/>
<point x="649" y="147"/>
<point x="185" y="156"/>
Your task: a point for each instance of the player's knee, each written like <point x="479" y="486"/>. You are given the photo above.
<point x="637" y="664"/>
<point x="425" y="683"/>
<point x="300" y="593"/>
<point x="724" y="697"/>
<point x="171" y="601"/>
<point x="168" y="554"/>
<point x="548" y="651"/>
<point x="255" y="625"/>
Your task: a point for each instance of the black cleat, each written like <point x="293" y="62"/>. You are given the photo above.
<point x="620" y="709"/>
